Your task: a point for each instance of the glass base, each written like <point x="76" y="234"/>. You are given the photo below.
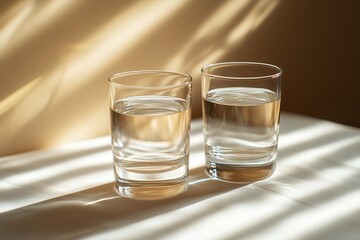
<point x="239" y="174"/>
<point x="151" y="190"/>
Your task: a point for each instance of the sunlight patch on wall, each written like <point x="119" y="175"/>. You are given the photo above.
<point x="56" y="99"/>
<point x="16" y="97"/>
<point x="95" y="53"/>
<point x="253" y="19"/>
<point x="212" y="29"/>
<point x="83" y="60"/>
<point x="80" y="126"/>
<point x="113" y="40"/>
<point x="24" y="105"/>
<point x="209" y="29"/>
<point x="12" y="20"/>
<point x="31" y="20"/>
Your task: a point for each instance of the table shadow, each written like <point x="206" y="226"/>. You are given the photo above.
<point x="100" y="209"/>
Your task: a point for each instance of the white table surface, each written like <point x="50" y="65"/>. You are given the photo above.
<point x="67" y="193"/>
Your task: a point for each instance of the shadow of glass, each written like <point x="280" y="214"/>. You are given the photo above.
<point x="99" y="209"/>
<point x="71" y="160"/>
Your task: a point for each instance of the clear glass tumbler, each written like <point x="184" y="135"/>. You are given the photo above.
<point x="150" y="132"/>
<point x="241" y="112"/>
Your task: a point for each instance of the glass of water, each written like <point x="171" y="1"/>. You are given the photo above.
<point x="150" y="132"/>
<point x="241" y="112"/>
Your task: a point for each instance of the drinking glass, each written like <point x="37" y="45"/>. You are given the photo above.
<point x="241" y="110"/>
<point x="150" y="132"/>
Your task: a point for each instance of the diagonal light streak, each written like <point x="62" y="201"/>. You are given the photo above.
<point x="12" y="100"/>
<point x="211" y="26"/>
<point x="32" y="19"/>
<point x="114" y="40"/>
<point x="12" y="21"/>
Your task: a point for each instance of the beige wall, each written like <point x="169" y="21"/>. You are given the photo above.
<point x="56" y="56"/>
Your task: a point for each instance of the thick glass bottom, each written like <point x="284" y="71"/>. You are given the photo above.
<point x="151" y="190"/>
<point x="238" y="173"/>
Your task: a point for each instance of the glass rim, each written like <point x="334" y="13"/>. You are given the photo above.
<point x="259" y="64"/>
<point x="186" y="76"/>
